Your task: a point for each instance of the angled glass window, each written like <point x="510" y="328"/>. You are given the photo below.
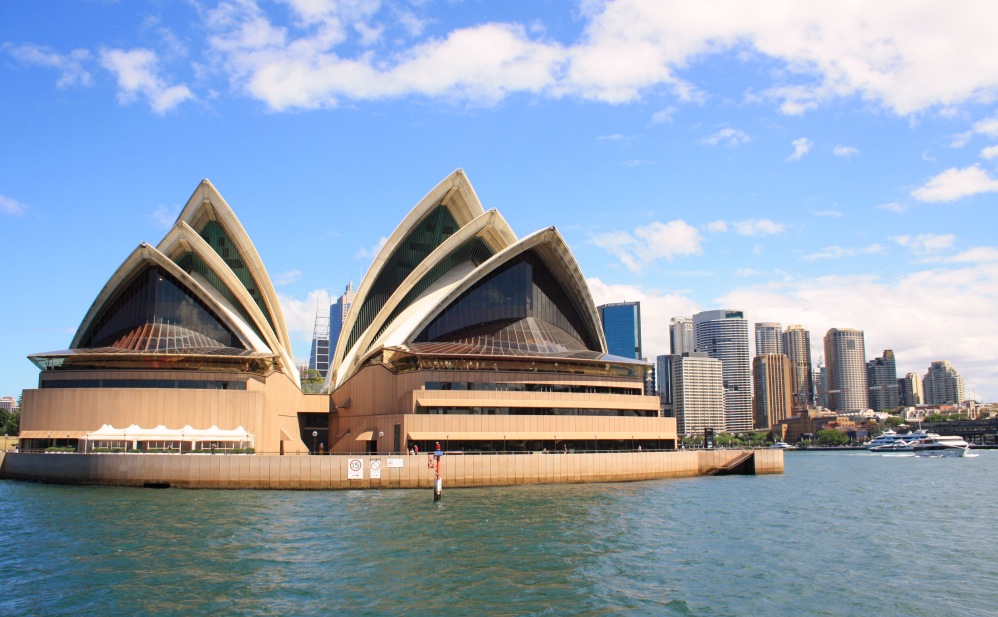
<point x="191" y="263"/>
<point x="519" y="307"/>
<point x="428" y="234"/>
<point x="154" y="312"/>
<point x="215" y="236"/>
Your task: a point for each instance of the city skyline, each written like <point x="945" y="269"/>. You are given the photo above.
<point x="811" y="166"/>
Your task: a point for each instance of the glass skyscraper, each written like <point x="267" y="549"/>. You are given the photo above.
<point x="622" y="328"/>
<point x="723" y="334"/>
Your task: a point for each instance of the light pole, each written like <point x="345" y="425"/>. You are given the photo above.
<point x="5" y="442"/>
<point x="314" y="435"/>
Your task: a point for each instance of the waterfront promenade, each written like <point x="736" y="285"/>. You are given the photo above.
<point x="378" y="471"/>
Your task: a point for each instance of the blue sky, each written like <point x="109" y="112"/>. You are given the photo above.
<point x="834" y="166"/>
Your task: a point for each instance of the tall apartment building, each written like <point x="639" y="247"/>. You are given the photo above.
<point x="882" y="382"/>
<point x="698" y="393"/>
<point x="845" y="366"/>
<point x="768" y="338"/>
<point x="622" y="328"/>
<point x="681" y="336"/>
<point x="797" y="346"/>
<point x="723" y="334"/>
<point x="772" y="401"/>
<point x="942" y="384"/>
<point x="910" y="387"/>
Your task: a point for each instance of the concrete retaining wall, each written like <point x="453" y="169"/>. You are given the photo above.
<point x="332" y="472"/>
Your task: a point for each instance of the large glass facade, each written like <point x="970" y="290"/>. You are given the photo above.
<point x="520" y="307"/>
<point x="154" y="312"/>
<point x="192" y="264"/>
<point x="431" y="232"/>
<point x="215" y="235"/>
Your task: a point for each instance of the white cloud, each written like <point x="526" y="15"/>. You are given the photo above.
<point x="664" y="116"/>
<point x="801" y="147"/>
<point x="989" y="152"/>
<point x="650" y="243"/>
<point x="846" y="151"/>
<point x="926" y="243"/>
<point x="893" y="207"/>
<point x="287" y="278"/>
<point x="831" y="214"/>
<point x="751" y="227"/>
<point x="961" y="139"/>
<point x="165" y="216"/>
<point x="137" y="73"/>
<point x="977" y="255"/>
<point x="612" y="137"/>
<point x="838" y="252"/>
<point x="372" y="252"/>
<point x="729" y="136"/>
<point x="299" y="314"/>
<point x="988" y="126"/>
<point x="954" y="184"/>
<point x="70" y="66"/>
<point x="12" y="206"/>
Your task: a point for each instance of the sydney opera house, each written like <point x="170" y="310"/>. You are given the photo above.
<point x="460" y="333"/>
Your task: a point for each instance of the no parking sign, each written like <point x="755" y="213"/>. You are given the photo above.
<point x="375" y="468"/>
<point x="355" y="469"/>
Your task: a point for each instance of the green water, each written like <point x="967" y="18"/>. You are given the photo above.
<point x="837" y="534"/>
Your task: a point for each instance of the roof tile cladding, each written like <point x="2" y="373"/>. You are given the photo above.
<point x="519" y="297"/>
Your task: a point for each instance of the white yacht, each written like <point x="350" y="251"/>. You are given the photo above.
<point x="781" y="445"/>
<point x="940" y="445"/>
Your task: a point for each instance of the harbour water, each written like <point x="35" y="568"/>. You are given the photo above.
<point x="839" y="533"/>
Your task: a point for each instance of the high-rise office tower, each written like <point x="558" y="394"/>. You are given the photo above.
<point x="698" y="393"/>
<point x="772" y="400"/>
<point x="882" y="382"/>
<point x="797" y="346"/>
<point x="681" y="337"/>
<point x="768" y="338"/>
<point x="337" y="315"/>
<point x="622" y="328"/>
<point x="911" y="390"/>
<point x="845" y="365"/>
<point x="942" y="384"/>
<point x="723" y="334"/>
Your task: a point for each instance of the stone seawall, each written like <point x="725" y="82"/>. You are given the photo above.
<point x="396" y="471"/>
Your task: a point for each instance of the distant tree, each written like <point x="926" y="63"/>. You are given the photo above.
<point x="893" y="422"/>
<point x="311" y="381"/>
<point x="832" y="437"/>
<point x="10" y="422"/>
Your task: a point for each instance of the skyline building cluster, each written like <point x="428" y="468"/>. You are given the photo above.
<point x="326" y="332"/>
<point x="781" y="380"/>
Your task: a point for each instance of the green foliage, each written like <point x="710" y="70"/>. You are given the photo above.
<point x="61" y="449"/>
<point x="10" y="422"/>
<point x="832" y="437"/>
<point x="893" y="422"/>
<point x="311" y="381"/>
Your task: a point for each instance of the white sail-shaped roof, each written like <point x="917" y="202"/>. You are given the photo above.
<point x="450" y="206"/>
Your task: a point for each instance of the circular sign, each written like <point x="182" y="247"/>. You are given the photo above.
<point x="356" y="464"/>
<point x="375" y="465"/>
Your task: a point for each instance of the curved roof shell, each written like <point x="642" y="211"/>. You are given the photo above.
<point x="445" y="274"/>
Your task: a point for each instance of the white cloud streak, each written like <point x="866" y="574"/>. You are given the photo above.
<point x="650" y="243"/>
<point x="801" y="147"/>
<point x="137" y="71"/>
<point x="954" y="184"/>
<point x="728" y="136"/>
<point x="751" y="227"/>
<point x="12" y="207"/>
<point x="70" y="66"/>
<point x="838" y="252"/>
<point x="845" y="151"/>
<point x="926" y="243"/>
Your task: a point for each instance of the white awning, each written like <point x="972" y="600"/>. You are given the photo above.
<point x="161" y="433"/>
